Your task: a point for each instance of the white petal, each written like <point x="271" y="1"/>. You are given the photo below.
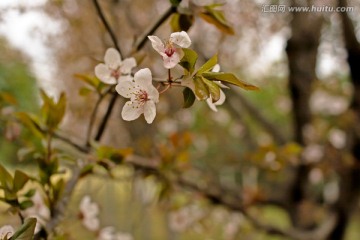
<point x="112" y="58"/>
<point x="143" y="78"/>
<point x="107" y="233"/>
<point x="216" y="68"/>
<point x="221" y="85"/>
<point x="170" y="62"/>
<point x="6" y="230"/>
<point x="221" y="99"/>
<point x="131" y="111"/>
<point x="157" y="44"/>
<point x="153" y="93"/>
<point x="103" y="73"/>
<point x="149" y="111"/>
<point x="181" y="39"/>
<point x="85" y="201"/>
<point x="211" y="104"/>
<point x="125" y="88"/>
<point x="91" y="224"/>
<point x="125" y="78"/>
<point x="127" y="65"/>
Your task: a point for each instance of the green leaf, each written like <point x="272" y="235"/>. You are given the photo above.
<point x="30" y="122"/>
<point x="89" y="80"/>
<point x="175" y="3"/>
<point x="30" y="193"/>
<point x="189" y="60"/>
<point x="26" y="204"/>
<point x="201" y="91"/>
<point x="53" y="112"/>
<point x="114" y="154"/>
<point x="6" y="179"/>
<point x="189" y="97"/>
<point x="208" y="65"/>
<point x="84" y="91"/>
<point x="228" y="78"/>
<point x="181" y="22"/>
<point x="217" y="18"/>
<point x="213" y="88"/>
<point x="20" y="179"/>
<point x="26" y="231"/>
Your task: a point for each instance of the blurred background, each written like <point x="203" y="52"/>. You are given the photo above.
<point x="290" y="151"/>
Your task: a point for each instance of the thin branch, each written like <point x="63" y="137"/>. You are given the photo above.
<point x="106" y="117"/>
<point x="262" y="120"/>
<point x="107" y="25"/>
<point x="142" y="40"/>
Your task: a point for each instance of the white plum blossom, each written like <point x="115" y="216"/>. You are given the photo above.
<point x="39" y="210"/>
<point x="143" y="96"/>
<point x="89" y="214"/>
<point x="108" y="233"/>
<point x="222" y="98"/>
<point x="6" y="231"/>
<point x="171" y="50"/>
<point x="114" y="69"/>
<point x="185" y="217"/>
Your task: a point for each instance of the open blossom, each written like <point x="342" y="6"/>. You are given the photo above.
<point x="6" y="231"/>
<point x="114" y="69"/>
<point x="39" y="210"/>
<point x="171" y="50"/>
<point x="143" y="96"/>
<point x="89" y="214"/>
<point x="222" y="98"/>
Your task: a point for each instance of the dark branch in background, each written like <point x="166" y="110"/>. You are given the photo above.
<point x="350" y="176"/>
<point x="301" y="50"/>
<point x="106" y="117"/>
<point x="261" y="119"/>
<point x="142" y="40"/>
<point x="107" y="25"/>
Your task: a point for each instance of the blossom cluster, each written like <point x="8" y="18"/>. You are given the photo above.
<point x="138" y="88"/>
<point x="89" y="215"/>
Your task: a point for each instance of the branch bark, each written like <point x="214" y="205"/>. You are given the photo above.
<point x="302" y="52"/>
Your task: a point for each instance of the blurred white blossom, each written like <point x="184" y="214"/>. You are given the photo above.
<point x="325" y="103"/>
<point x="313" y="153"/>
<point x="89" y="214"/>
<point x="114" y="69"/>
<point x="109" y="233"/>
<point x="171" y="50"/>
<point x="185" y="217"/>
<point x="39" y="210"/>
<point x="337" y="138"/>
<point x="6" y="231"/>
<point x="146" y="189"/>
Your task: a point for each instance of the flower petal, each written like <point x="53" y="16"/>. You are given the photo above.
<point x="149" y="111"/>
<point x="125" y="88"/>
<point x="91" y="224"/>
<point x="221" y="99"/>
<point x="127" y="65"/>
<point x="170" y="62"/>
<point x="211" y="104"/>
<point x="157" y="44"/>
<point x="143" y="78"/>
<point x="216" y="68"/>
<point x="125" y="78"/>
<point x="112" y="58"/>
<point x="103" y="73"/>
<point x="153" y="93"/>
<point x="181" y="39"/>
<point x="131" y="111"/>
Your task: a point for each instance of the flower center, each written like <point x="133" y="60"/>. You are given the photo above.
<point x="141" y="97"/>
<point x="115" y="73"/>
<point x="169" y="49"/>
